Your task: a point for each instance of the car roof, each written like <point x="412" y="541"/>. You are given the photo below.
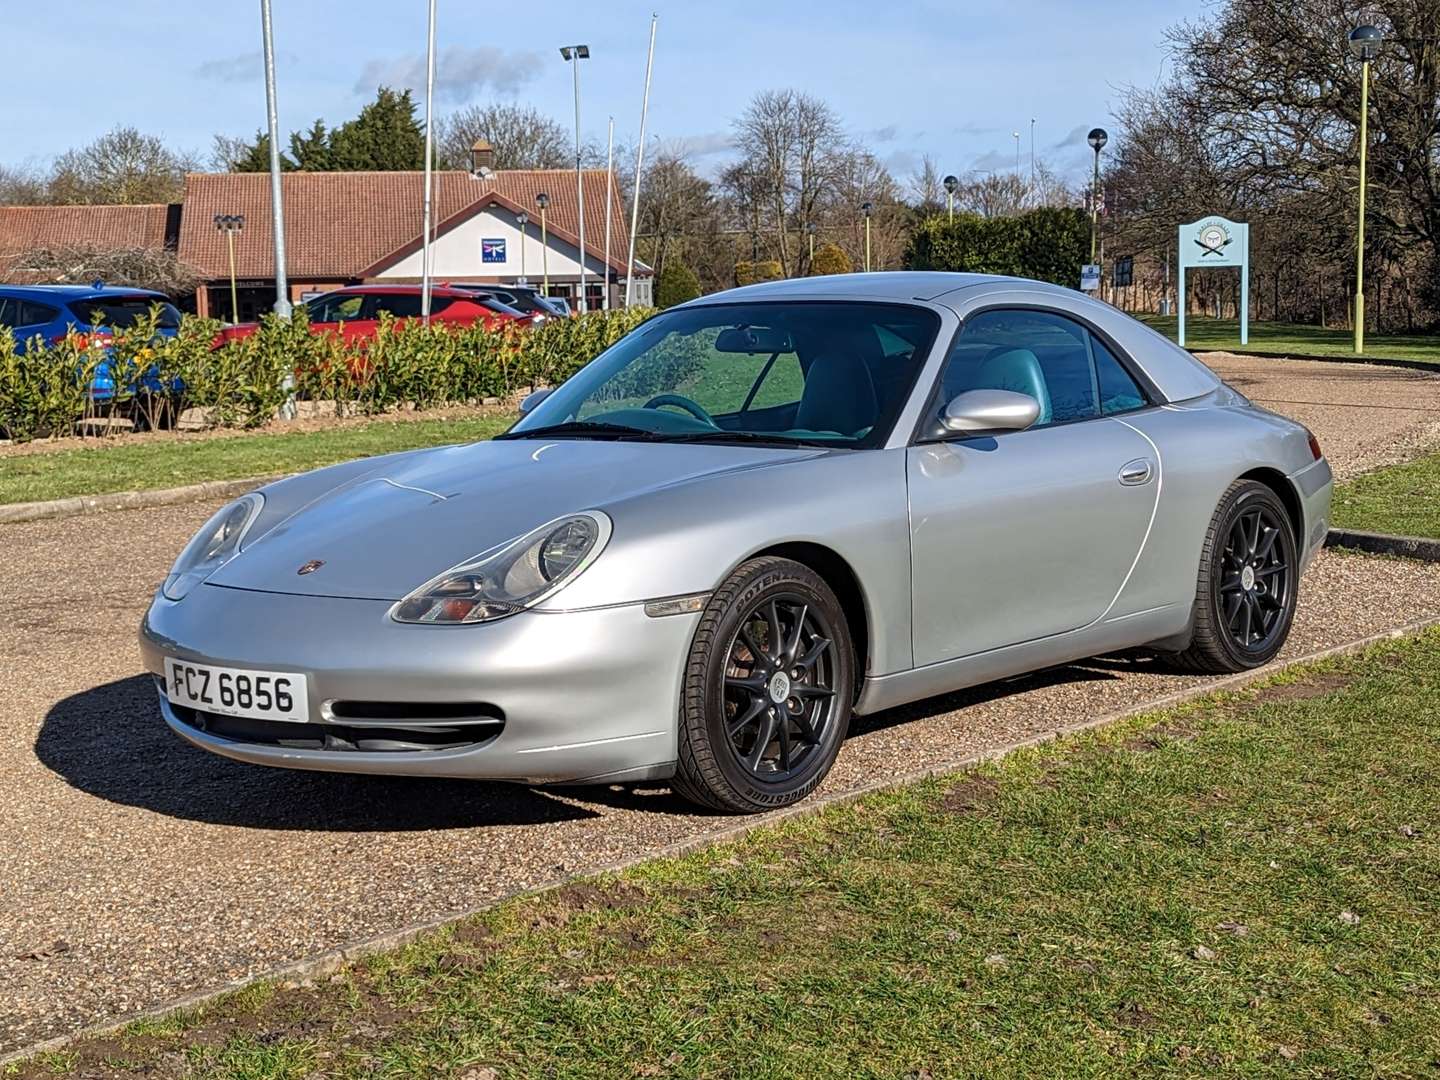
<point x="886" y="285"/>
<point x="400" y="290"/>
<point x="76" y="292"/>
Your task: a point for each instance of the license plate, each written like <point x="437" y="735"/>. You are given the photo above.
<point x="258" y="695"/>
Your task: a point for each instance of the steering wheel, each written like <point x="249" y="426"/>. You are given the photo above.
<point x="680" y="401"/>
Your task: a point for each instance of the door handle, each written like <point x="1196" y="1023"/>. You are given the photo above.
<point x="1137" y="472"/>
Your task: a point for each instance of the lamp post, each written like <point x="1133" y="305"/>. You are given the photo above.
<point x="230" y="224"/>
<point x="573" y="54"/>
<point x="867" y="208"/>
<point x="426" y="264"/>
<point x="810" y="239"/>
<point x="609" y="200"/>
<point x="522" y="219"/>
<point x="543" y="202"/>
<point x="952" y="184"/>
<point x="1365" y="43"/>
<point x="1016" y="136"/>
<point x="1097" y="139"/>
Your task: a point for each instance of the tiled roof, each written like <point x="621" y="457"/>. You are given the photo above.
<point x="25" y="228"/>
<point x="339" y="225"/>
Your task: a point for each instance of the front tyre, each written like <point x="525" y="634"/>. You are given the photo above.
<point x="768" y="687"/>
<point x="1248" y="585"/>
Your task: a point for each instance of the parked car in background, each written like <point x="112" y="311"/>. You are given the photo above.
<point x="521" y="297"/>
<point x="354" y="311"/>
<point x="50" y="312"/>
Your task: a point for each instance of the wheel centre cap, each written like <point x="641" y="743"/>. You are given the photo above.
<point x="1247" y="577"/>
<point x="779" y="687"/>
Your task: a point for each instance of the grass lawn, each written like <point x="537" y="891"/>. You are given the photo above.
<point x="1249" y="885"/>
<point x="121" y="466"/>
<point x="1296" y="340"/>
<point x="1403" y="499"/>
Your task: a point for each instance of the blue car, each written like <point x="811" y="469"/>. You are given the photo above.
<point x="50" y="311"/>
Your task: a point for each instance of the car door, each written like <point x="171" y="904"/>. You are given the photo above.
<point x="1025" y="534"/>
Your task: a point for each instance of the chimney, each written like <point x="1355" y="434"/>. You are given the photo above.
<point x="482" y="156"/>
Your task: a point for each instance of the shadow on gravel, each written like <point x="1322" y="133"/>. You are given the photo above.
<point x="111" y="743"/>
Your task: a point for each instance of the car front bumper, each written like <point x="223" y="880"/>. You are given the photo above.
<point x="586" y="696"/>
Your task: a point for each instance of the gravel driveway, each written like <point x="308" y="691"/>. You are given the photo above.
<point x="1366" y="415"/>
<point x="134" y="868"/>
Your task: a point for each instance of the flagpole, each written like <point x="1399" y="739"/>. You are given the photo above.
<point x="609" y="198"/>
<point x="639" y="166"/>
<point x="429" y="144"/>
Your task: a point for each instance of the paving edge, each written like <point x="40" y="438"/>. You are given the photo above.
<point x="1423" y="548"/>
<point x="330" y="961"/>
<point x="130" y="500"/>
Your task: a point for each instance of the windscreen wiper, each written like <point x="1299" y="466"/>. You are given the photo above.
<point x="598" y="429"/>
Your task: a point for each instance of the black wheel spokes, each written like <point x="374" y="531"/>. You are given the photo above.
<point x="779" y="692"/>
<point x="1254" y="579"/>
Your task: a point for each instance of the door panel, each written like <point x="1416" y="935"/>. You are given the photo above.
<point x="1023" y="535"/>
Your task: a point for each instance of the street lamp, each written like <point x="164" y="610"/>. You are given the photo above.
<point x="1016" y="136"/>
<point x="810" y="237"/>
<point x="543" y="202"/>
<point x="572" y="55"/>
<point x="522" y="219"/>
<point x="952" y="184"/>
<point x="1097" y="140"/>
<point x="867" y="208"/>
<point x="1365" y="42"/>
<point x="230" y="224"/>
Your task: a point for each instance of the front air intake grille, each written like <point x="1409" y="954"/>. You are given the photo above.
<point x="425" y="729"/>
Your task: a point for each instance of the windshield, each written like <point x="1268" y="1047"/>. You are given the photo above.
<point x="123" y="312"/>
<point x="820" y="373"/>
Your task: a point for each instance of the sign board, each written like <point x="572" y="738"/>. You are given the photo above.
<point x="1216" y="241"/>
<point x="1123" y="272"/>
<point x="1090" y="277"/>
<point x="492" y="250"/>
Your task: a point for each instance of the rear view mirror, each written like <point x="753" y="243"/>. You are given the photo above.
<point x="754" y="339"/>
<point x="529" y="402"/>
<point x="978" y="411"/>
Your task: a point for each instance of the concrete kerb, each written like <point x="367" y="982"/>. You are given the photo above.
<point x="130" y="500"/>
<point x="327" y="963"/>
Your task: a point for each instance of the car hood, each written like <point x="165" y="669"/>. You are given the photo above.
<point x="385" y="533"/>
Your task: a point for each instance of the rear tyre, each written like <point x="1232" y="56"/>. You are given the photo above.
<point x="1248" y="585"/>
<point x="768" y="688"/>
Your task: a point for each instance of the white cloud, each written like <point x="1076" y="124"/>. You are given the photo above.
<point x="246" y="67"/>
<point x="460" y="72"/>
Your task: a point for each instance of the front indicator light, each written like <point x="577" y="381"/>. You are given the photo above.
<point x="511" y="578"/>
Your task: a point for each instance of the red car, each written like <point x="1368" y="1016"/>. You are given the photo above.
<point x="354" y="311"/>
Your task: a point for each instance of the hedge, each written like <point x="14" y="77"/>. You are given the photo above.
<point x="1049" y="244"/>
<point x="44" y="390"/>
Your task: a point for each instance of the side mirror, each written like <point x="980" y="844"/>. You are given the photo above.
<point x="531" y="400"/>
<point x="977" y="411"/>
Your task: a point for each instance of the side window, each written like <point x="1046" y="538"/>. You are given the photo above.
<point x="1030" y="352"/>
<point x="335" y="308"/>
<point x="401" y="305"/>
<point x="1118" y="391"/>
<point x="9" y="311"/>
<point x="32" y="314"/>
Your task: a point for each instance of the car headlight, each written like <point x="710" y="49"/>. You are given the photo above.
<point x="217" y="542"/>
<point x="510" y="578"/>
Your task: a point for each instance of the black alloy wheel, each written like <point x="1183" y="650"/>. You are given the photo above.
<point x="768" y="689"/>
<point x="1248" y="583"/>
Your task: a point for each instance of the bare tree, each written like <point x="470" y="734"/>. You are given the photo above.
<point x="790" y="144"/>
<point x="927" y="187"/>
<point x="122" y="166"/>
<point x="143" y="268"/>
<point x="22" y="187"/>
<point x="522" y="137"/>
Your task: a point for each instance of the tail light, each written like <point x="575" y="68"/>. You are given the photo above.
<point x="1315" y="451"/>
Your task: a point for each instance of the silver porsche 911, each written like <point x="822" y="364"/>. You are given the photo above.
<point x="758" y="514"/>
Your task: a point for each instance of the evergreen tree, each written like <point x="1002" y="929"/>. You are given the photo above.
<point x="385" y="136"/>
<point x="311" y="151"/>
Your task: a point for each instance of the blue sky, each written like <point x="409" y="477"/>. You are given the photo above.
<point x="911" y="77"/>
